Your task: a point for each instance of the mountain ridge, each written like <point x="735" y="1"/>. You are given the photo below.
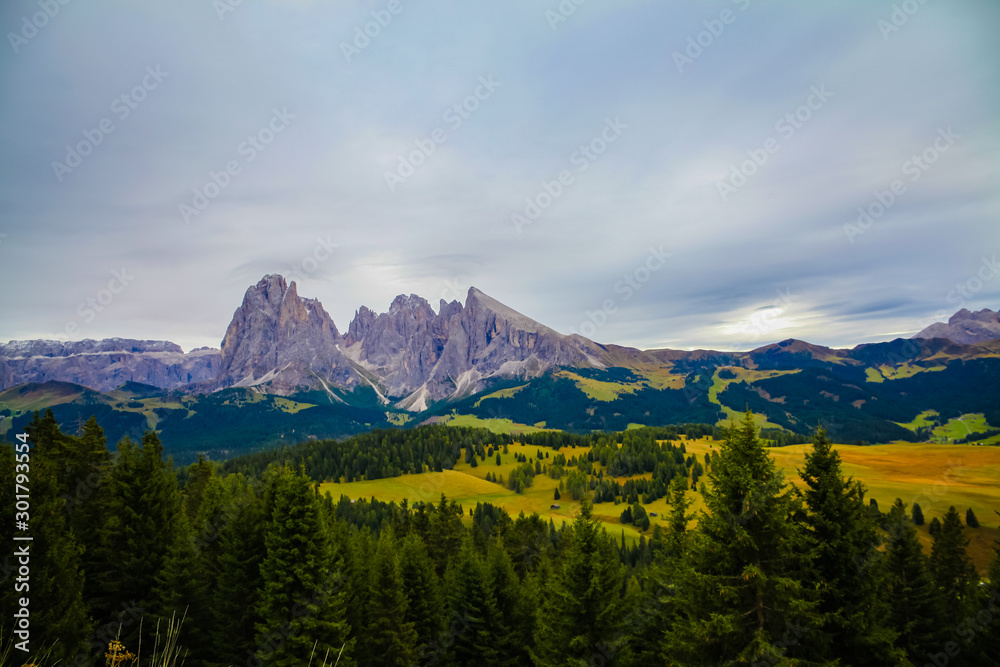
<point x="411" y="356"/>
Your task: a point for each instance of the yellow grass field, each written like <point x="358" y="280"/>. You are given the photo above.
<point x="936" y="476"/>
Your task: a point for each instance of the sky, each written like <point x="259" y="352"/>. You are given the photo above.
<point x="658" y="174"/>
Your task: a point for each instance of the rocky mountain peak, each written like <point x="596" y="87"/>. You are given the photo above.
<point x="966" y="327"/>
<point x="278" y="337"/>
<point x="411" y="303"/>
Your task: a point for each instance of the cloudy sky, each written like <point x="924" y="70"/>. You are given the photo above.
<point x="659" y="174"/>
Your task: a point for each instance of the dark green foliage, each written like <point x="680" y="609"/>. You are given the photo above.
<point x="750" y="586"/>
<point x="140" y="526"/>
<point x="935" y="527"/>
<point x="918" y="515"/>
<point x="970" y="519"/>
<point x="390" y="637"/>
<point x="473" y="611"/>
<point x="198" y="476"/>
<point x="385" y="453"/>
<point x="265" y="571"/>
<point x="950" y="566"/>
<point x="230" y="535"/>
<point x="301" y="602"/>
<point x="916" y="613"/>
<point x="422" y="588"/>
<point x="56" y="593"/>
<point x="849" y="572"/>
<point x="580" y="614"/>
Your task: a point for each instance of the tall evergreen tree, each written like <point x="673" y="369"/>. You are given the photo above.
<point x="301" y="603"/>
<point x="231" y="539"/>
<point x="748" y="600"/>
<point x="182" y="592"/>
<point x="844" y="541"/>
<point x="390" y="638"/>
<point x="424" y="603"/>
<point x="915" y="605"/>
<point x="951" y="568"/>
<point x="85" y="497"/>
<point x="444" y="538"/>
<point x="201" y="472"/>
<point x="677" y="520"/>
<point x="514" y="624"/>
<point x="473" y="611"/>
<point x="140" y="527"/>
<point x="581" y="613"/>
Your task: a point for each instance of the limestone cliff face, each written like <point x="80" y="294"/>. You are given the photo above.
<point x="280" y="341"/>
<point x="966" y="327"/>
<point x="105" y="364"/>
<point x="421" y="355"/>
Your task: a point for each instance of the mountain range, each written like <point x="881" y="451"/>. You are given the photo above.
<point x="486" y="360"/>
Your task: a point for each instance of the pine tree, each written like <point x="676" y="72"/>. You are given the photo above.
<point x="514" y="623"/>
<point x="678" y="517"/>
<point x="970" y="519"/>
<point x="445" y="533"/>
<point x="301" y="603"/>
<point x="182" y="592"/>
<point x="473" y="611"/>
<point x="230" y="536"/>
<point x="422" y="588"/>
<point x="915" y="605"/>
<point x="918" y="515"/>
<point x="140" y="526"/>
<point x="935" y="527"/>
<point x="388" y="635"/>
<point x="194" y="490"/>
<point x="581" y="612"/>
<point x="848" y="566"/>
<point x="85" y="499"/>
<point x="747" y="600"/>
<point x="951" y="568"/>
